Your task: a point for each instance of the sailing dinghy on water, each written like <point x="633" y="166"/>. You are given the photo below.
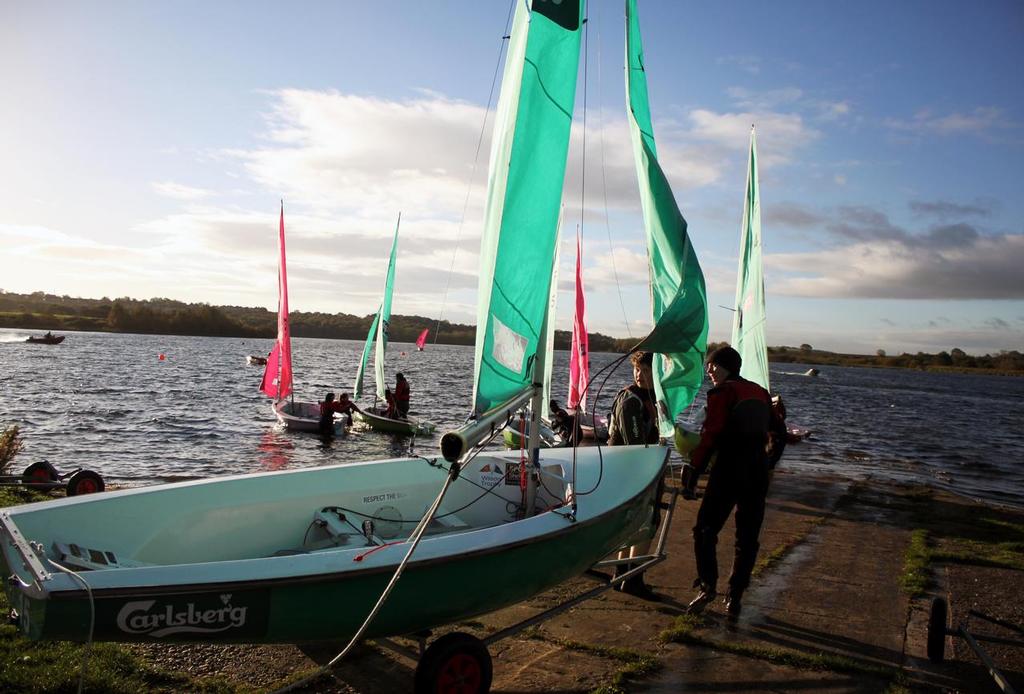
<point x="307" y="554"/>
<point x="277" y="378"/>
<point x="421" y="341"/>
<point x="749" y="335"/>
<point x="594" y="427"/>
<point x="376" y="416"/>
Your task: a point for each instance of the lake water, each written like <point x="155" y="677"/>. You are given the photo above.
<point x="109" y="403"/>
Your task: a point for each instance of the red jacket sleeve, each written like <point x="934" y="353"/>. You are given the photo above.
<point x="719" y="404"/>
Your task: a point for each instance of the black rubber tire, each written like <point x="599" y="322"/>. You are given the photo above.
<point x="937" y="630"/>
<point x="456" y="663"/>
<point x="84" y="482"/>
<point x="41" y="472"/>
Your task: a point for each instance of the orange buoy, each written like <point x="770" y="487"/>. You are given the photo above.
<point x="162" y="357"/>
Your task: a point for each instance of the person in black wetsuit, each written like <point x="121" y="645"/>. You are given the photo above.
<point x="327" y="409"/>
<point x="401" y="396"/>
<point x="565" y="425"/>
<point x="739" y="417"/>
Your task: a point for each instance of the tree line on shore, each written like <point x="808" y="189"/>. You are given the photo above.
<point x="169" y="317"/>
<point x="43" y="311"/>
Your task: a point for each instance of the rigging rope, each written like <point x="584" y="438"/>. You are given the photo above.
<point x="604" y="188"/>
<point x="472" y="175"/>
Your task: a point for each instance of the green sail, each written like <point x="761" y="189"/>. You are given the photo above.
<point x="524" y="192"/>
<point x="358" y="387"/>
<point x="678" y="297"/>
<point x="748" y="325"/>
<point x="378" y="335"/>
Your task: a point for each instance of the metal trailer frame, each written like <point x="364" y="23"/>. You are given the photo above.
<point x="938" y="631"/>
<point x="606" y="583"/>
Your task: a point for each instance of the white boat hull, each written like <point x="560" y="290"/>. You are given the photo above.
<point x="304" y="416"/>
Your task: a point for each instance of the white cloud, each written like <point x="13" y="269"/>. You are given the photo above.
<point x="179" y="191"/>
<point x="982" y="120"/>
<point x="987" y="268"/>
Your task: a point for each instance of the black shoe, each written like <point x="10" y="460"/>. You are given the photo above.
<point x="733" y="605"/>
<point x="703" y="599"/>
<point x="636" y="587"/>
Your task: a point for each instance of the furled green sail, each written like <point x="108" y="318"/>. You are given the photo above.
<point x="678" y="297"/>
<point x="748" y="325"/>
<point x="378" y="335"/>
<point x="524" y="192"/>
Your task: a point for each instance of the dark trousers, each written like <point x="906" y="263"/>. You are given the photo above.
<point x="743" y="486"/>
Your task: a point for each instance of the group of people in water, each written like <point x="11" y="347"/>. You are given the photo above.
<point x="396" y="405"/>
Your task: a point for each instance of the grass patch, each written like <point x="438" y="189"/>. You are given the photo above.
<point x="51" y="667"/>
<point x="54" y="666"/>
<point x="916" y="578"/>
<point x="635" y="663"/>
<point x="774" y="558"/>
<point x="684" y="630"/>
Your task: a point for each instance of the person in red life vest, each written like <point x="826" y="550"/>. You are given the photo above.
<point x="739" y="417"/>
<point x="346" y="407"/>
<point x="634" y="420"/>
<point x="327" y="409"/>
<point x="402" y="395"/>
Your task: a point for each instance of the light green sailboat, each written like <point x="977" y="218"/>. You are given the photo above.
<point x="304" y="555"/>
<point x="376" y="416"/>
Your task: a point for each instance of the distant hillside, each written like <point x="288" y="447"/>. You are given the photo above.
<point x="43" y="311"/>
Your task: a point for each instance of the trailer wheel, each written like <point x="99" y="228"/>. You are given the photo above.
<point x="40" y="472"/>
<point x="937" y="631"/>
<point x="84" y="482"/>
<point x="456" y="663"/>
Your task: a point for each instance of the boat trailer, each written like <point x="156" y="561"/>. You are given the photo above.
<point x="938" y="631"/>
<point x="458" y="661"/>
<point x="43" y="476"/>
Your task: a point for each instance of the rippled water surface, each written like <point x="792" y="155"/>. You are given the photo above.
<point x="109" y="403"/>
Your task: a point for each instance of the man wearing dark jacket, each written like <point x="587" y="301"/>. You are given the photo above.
<point x="739" y="417"/>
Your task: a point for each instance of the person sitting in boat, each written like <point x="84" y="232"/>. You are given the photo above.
<point x="48" y="335"/>
<point x="402" y="395"/>
<point x="327" y="409"/>
<point x="391" y="412"/>
<point x="565" y="425"/>
<point x="346" y="407"/>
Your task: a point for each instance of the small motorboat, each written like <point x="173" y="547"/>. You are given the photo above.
<point x="253" y="360"/>
<point x="47" y="339"/>
<point x="811" y="373"/>
<point x="796" y="434"/>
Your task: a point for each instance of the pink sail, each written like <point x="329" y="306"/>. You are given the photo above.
<point x="422" y="339"/>
<point x="579" y="353"/>
<point x="277" y="379"/>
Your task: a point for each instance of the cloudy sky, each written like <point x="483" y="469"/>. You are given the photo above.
<point x="145" y="148"/>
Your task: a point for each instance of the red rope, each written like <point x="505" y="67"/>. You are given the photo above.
<point x="359" y="557"/>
